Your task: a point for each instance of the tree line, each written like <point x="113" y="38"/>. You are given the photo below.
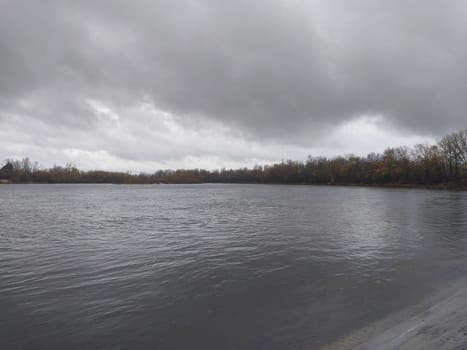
<point x="437" y="165"/>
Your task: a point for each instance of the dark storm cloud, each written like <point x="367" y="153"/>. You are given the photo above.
<point x="268" y="68"/>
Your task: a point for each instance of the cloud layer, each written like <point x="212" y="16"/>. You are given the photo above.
<point x="237" y="81"/>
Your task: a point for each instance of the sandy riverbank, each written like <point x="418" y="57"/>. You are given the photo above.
<point x="438" y="323"/>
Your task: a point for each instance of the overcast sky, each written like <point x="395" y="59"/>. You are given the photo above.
<point x="142" y="85"/>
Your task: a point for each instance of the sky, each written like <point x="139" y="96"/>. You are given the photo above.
<point x="145" y="85"/>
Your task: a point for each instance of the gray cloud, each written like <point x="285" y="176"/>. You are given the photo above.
<point x="281" y="70"/>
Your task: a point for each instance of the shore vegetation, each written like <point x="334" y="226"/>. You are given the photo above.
<point x="441" y="165"/>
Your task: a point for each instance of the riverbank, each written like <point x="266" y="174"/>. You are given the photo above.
<point x="444" y="186"/>
<point x="437" y="323"/>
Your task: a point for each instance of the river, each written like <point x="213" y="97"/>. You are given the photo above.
<point x="217" y="266"/>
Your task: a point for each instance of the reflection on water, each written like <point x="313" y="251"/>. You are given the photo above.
<point x="217" y="266"/>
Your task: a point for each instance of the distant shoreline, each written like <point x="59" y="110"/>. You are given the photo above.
<point x="446" y="187"/>
<point x="439" y="166"/>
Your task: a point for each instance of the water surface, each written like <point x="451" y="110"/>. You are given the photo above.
<point x="217" y="266"/>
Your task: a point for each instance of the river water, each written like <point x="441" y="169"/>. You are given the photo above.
<point x="217" y="266"/>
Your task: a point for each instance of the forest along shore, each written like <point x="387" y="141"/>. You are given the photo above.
<point x="443" y="165"/>
<point x="437" y="323"/>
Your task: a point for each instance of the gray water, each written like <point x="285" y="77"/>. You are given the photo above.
<point x="217" y="266"/>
